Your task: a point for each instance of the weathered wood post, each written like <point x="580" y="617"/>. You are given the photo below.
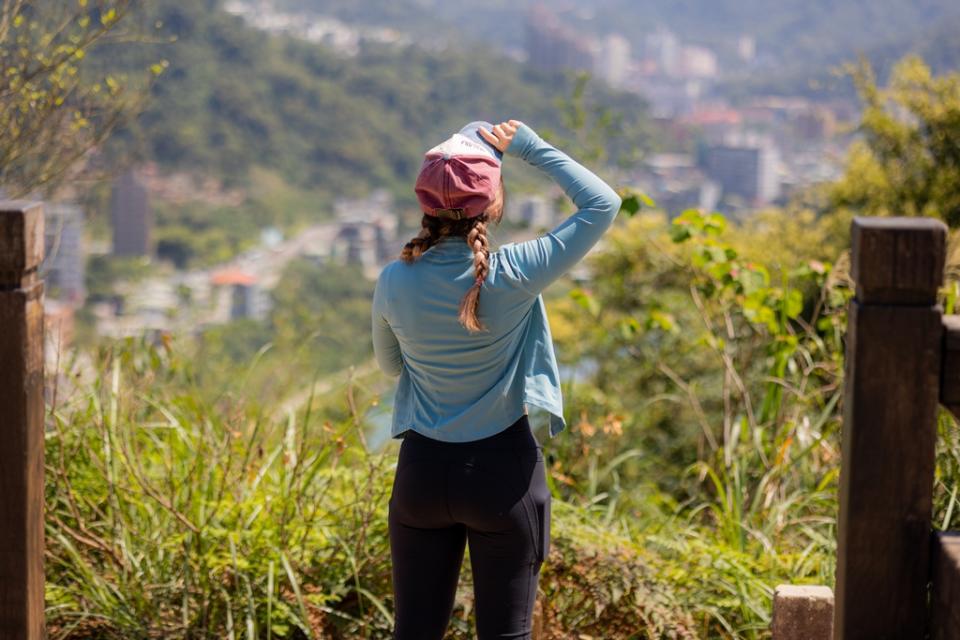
<point x="889" y="429"/>
<point x="21" y="422"/>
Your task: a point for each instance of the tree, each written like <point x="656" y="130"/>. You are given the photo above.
<point x="908" y="160"/>
<point x="52" y="112"/>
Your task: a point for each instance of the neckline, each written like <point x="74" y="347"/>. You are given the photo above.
<point x="450" y="244"/>
<point x="452" y="241"/>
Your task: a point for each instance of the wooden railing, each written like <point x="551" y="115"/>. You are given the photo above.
<point x="895" y="577"/>
<point x="21" y="422"/>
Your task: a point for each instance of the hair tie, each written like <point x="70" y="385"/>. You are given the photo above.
<point x="479" y="280"/>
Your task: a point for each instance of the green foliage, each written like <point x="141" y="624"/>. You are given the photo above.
<point x="598" y="132"/>
<point x="319" y="324"/>
<point x="908" y="161"/>
<point x="104" y="271"/>
<point x="632" y="200"/>
<point x="722" y="375"/>
<point x="51" y="113"/>
<point x="935" y="43"/>
<point x="327" y="307"/>
<point x="198" y="234"/>
<point x="719" y="383"/>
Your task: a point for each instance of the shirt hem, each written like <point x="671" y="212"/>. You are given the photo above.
<point x="557" y="422"/>
<point x="431" y="433"/>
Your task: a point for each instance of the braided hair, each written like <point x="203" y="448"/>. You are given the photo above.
<point x="474" y="233"/>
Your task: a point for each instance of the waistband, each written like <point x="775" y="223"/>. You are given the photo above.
<point x="518" y="435"/>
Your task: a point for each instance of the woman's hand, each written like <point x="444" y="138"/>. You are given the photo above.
<point x="502" y="134"/>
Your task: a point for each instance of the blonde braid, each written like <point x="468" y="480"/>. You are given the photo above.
<point x="477" y="240"/>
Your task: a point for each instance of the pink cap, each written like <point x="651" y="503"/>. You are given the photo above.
<point x="459" y="178"/>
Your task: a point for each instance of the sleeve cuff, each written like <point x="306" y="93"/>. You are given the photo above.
<point x="524" y="141"/>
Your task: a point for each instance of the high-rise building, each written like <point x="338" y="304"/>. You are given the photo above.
<point x="368" y="229"/>
<point x="698" y="62"/>
<point x="663" y="47"/>
<point x="614" y="60"/>
<point x="131" y="216"/>
<point x="746" y="48"/>
<point x="358" y="243"/>
<point x="748" y="171"/>
<point x="536" y="212"/>
<point x="63" y="265"/>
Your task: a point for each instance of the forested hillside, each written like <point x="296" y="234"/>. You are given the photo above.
<point x="233" y="98"/>
<point x="937" y="44"/>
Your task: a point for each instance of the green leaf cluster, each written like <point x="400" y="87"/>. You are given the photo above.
<point x="52" y="110"/>
<point x="907" y="161"/>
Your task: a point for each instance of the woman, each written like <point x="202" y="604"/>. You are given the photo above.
<point x="466" y="330"/>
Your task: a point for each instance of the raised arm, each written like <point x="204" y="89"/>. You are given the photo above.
<point x="386" y="347"/>
<point x="540" y="261"/>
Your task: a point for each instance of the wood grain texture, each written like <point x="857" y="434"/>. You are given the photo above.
<point x="945" y="600"/>
<point x="886" y="477"/>
<point x="21" y="243"/>
<point x="897" y="261"/>
<point x="21" y="426"/>
<point x="892" y="389"/>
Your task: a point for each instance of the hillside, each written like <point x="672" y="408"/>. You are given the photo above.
<point x="937" y="45"/>
<point x="234" y="98"/>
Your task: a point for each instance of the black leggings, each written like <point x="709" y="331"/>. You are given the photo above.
<point x="490" y="493"/>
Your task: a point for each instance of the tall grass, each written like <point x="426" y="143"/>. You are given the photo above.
<point x="169" y="517"/>
<point x="701" y="471"/>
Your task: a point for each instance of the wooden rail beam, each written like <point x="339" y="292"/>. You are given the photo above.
<point x="21" y="422"/>
<point x="892" y="385"/>
<point x="946" y="587"/>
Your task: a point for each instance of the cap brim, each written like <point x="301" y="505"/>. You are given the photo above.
<point x="472" y="131"/>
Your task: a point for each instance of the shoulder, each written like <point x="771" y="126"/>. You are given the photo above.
<point x="508" y="262"/>
<point x="386" y="279"/>
<point x="504" y="255"/>
<point x="388" y="270"/>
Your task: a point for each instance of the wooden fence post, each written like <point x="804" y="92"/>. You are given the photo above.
<point x="889" y="429"/>
<point x="21" y="422"/>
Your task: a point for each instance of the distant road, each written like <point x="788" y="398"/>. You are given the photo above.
<point x="325" y="385"/>
<point x="268" y="263"/>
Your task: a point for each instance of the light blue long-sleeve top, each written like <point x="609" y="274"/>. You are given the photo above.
<point x="456" y="386"/>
